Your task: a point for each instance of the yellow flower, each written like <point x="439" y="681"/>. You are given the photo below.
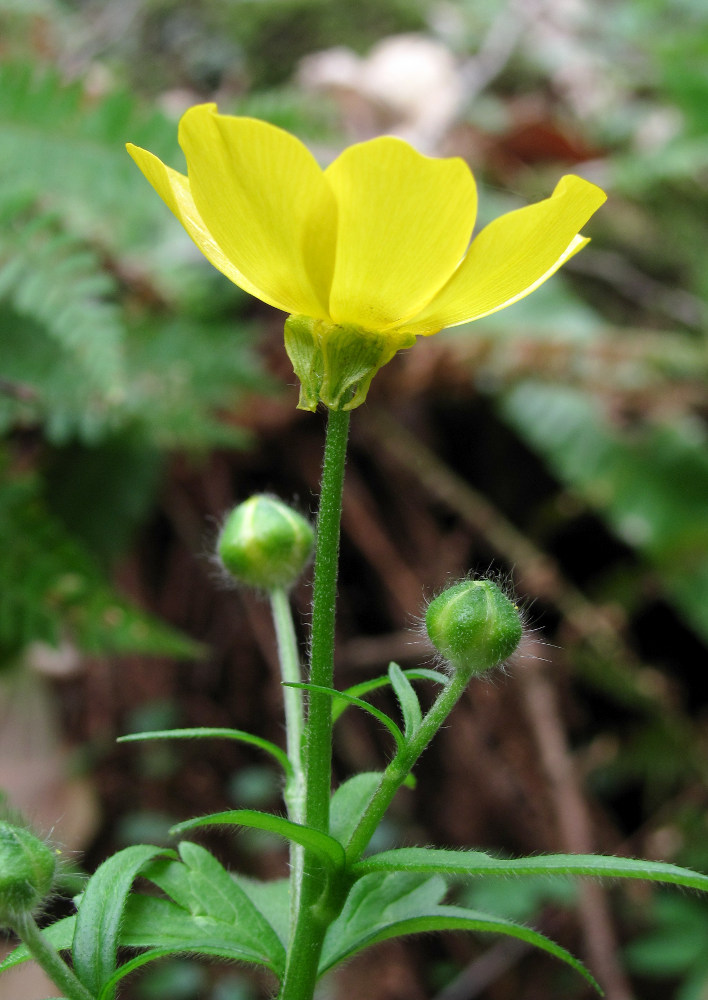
<point x="365" y="255"/>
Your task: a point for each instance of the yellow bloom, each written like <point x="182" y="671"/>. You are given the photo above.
<point x="365" y="255"/>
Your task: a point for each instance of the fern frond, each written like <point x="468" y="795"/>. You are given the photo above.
<point x="60" y="145"/>
<point x="53" y="589"/>
<point x="52" y="279"/>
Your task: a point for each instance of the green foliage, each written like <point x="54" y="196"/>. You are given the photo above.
<point x="649" y="483"/>
<point x="205" y="910"/>
<point x="104" y="358"/>
<point x="400" y="903"/>
<point x="202" y="733"/>
<point x="675" y="946"/>
<point x="56" y="590"/>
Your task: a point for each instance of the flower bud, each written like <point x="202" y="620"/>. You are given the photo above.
<point x="264" y="543"/>
<point x="474" y="625"/>
<point x="27" y="869"/>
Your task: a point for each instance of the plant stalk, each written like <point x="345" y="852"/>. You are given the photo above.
<point x="402" y="764"/>
<point x="48" y="958"/>
<point x="317" y="901"/>
<point x="290" y="672"/>
<point x="319" y="718"/>
<point x="289" y="660"/>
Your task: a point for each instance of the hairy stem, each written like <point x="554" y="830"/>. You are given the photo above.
<point x="401" y="765"/>
<point x="289" y="660"/>
<point x="290" y="672"/>
<point x="317" y="902"/>
<point x="45" y="955"/>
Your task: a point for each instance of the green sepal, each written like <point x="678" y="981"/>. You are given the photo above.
<point x="335" y="364"/>
<point x="206" y="733"/>
<point x="27" y="871"/>
<point x="474" y="625"/>
<point x="327" y="849"/>
<point x="474" y="863"/>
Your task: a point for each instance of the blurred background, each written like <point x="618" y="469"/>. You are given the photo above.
<point x="562" y="442"/>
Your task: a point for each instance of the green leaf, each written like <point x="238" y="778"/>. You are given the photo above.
<point x="365" y="687"/>
<point x="466" y="863"/>
<point x="203" y="887"/>
<point x="386" y="720"/>
<point x="206" y="733"/>
<point x="98" y="921"/>
<point x="151" y="922"/>
<point x="407" y="698"/>
<point x="136" y="963"/>
<point x="329" y="850"/>
<point x="273" y="901"/>
<point x="349" y="802"/>
<point x="380" y="907"/>
<point x="60" y="934"/>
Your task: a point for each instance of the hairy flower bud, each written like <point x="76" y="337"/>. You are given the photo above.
<point x="474" y="625"/>
<point x="265" y="544"/>
<point x="27" y="869"/>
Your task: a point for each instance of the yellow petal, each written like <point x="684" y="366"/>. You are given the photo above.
<point x="404" y="223"/>
<point x="173" y="188"/>
<point x="513" y="255"/>
<point x="266" y="203"/>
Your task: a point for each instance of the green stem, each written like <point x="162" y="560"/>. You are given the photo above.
<point x="317" y="905"/>
<point x="402" y="764"/>
<point x="289" y="659"/>
<point x="319" y="719"/>
<point x="290" y="672"/>
<point x="45" y="955"/>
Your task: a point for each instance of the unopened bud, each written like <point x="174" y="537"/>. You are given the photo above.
<point x="265" y="544"/>
<point x="27" y="870"/>
<point x="474" y="625"/>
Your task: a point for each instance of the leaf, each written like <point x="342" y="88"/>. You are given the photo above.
<point x="329" y="850"/>
<point x="206" y="733"/>
<point x="407" y="698"/>
<point x="203" y="887"/>
<point x="399" y="903"/>
<point x="365" y="687"/>
<point x="96" y="937"/>
<point x="272" y="899"/>
<point x="349" y="802"/>
<point x="152" y="922"/>
<point x="136" y="963"/>
<point x="473" y="863"/>
<point x="377" y="713"/>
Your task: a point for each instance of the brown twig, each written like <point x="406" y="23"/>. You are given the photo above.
<point x="573" y="821"/>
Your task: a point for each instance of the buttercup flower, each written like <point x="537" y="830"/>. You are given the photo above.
<point x="366" y="255"/>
